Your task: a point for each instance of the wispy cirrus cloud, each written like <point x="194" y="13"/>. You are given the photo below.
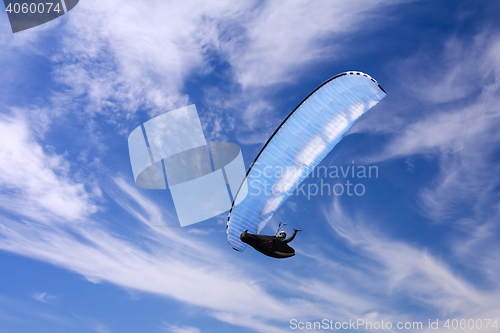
<point x="277" y="42"/>
<point x="112" y="68"/>
<point x="36" y="184"/>
<point x="180" y="329"/>
<point x="458" y="128"/>
<point x="184" y="268"/>
<point x="464" y="67"/>
<point x="120" y="58"/>
<point x="403" y="269"/>
<point x="187" y="269"/>
<point x="267" y="55"/>
<point x="43" y="297"/>
<point x="123" y="66"/>
<point x="139" y="56"/>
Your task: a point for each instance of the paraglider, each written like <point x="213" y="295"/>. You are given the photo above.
<point x="273" y="246"/>
<point x="299" y="144"/>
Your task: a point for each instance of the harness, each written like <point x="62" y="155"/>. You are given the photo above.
<point x="280" y="227"/>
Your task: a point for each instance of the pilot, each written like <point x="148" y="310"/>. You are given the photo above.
<point x="282" y="236"/>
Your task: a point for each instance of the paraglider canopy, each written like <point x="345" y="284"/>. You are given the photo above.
<point x="297" y="146"/>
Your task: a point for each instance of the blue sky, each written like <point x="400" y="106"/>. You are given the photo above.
<point x="83" y="249"/>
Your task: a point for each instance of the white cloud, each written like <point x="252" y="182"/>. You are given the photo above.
<point x="462" y="69"/>
<point x="181" y="329"/>
<point x="98" y="327"/>
<point x="162" y="261"/>
<point x="278" y="41"/>
<point x="184" y="268"/>
<point x="461" y="133"/>
<point x="402" y="269"/>
<point x="282" y="38"/>
<point x="115" y="62"/>
<point x="159" y="260"/>
<point x="125" y="56"/>
<point x="34" y="183"/>
<point x="44" y="297"/>
<point x="122" y="57"/>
